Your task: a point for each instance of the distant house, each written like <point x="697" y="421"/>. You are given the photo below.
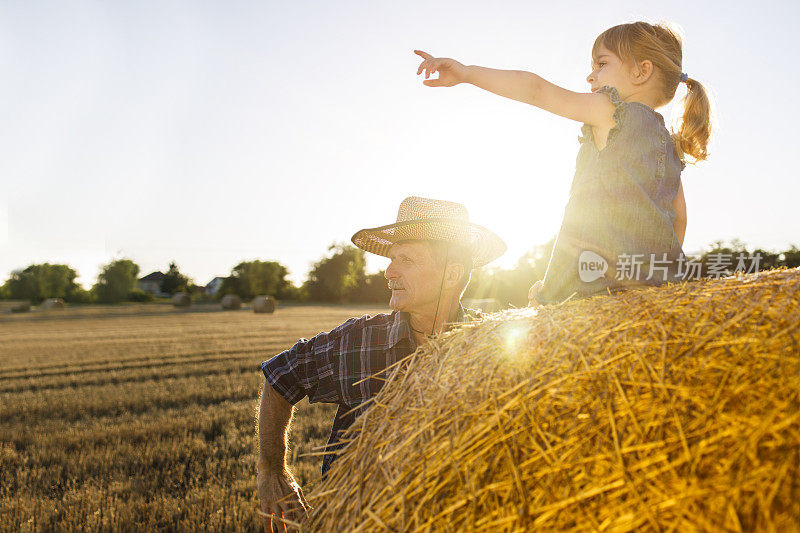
<point x="213" y="286"/>
<point x="152" y="283"/>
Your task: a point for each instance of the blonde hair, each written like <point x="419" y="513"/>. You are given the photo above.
<point x="638" y="41"/>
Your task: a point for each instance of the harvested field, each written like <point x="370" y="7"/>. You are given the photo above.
<point x="141" y="417"/>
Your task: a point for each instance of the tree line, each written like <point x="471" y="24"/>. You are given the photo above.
<point x="338" y="277"/>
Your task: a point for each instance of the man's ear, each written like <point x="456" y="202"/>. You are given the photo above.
<point x="455" y="272"/>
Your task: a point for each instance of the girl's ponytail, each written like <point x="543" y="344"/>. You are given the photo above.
<point x="695" y="129"/>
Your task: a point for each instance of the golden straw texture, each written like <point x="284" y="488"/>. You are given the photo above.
<point x="656" y="409"/>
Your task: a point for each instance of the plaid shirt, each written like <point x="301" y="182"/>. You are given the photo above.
<point x="333" y="367"/>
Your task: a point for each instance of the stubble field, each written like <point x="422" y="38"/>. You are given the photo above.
<point x="143" y="418"/>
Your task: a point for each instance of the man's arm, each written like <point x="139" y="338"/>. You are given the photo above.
<point x="277" y="489"/>
<point x="289" y="377"/>
<point x="274" y="415"/>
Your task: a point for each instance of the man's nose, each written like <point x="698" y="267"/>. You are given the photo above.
<point x="389" y="272"/>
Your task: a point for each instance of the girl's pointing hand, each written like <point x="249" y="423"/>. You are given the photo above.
<point x="451" y="72"/>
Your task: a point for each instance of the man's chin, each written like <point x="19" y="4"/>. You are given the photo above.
<point x="398" y="301"/>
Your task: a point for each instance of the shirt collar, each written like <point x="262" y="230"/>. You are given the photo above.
<point x="400" y="327"/>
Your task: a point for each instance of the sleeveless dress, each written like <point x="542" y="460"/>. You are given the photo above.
<point x="617" y="230"/>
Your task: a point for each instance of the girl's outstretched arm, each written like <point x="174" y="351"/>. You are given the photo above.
<point x="527" y="87"/>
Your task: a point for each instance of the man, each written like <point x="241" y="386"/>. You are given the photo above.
<point x="433" y="248"/>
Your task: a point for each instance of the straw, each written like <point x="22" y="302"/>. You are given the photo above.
<point x="657" y="409"/>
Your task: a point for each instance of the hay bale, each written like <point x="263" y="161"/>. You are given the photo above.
<point x="673" y="408"/>
<point x="181" y="299"/>
<point x="52" y="304"/>
<point x="21" y="307"/>
<point x="264" y="304"/>
<point x="485" y="305"/>
<point x="231" y="301"/>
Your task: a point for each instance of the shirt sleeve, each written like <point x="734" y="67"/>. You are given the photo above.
<point x="307" y="369"/>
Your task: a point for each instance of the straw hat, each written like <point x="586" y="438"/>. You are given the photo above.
<point x="427" y="219"/>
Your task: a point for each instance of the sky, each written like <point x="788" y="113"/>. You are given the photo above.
<point x="209" y="133"/>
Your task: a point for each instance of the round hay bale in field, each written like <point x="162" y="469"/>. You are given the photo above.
<point x="675" y="408"/>
<point x="52" y="304"/>
<point x="264" y="304"/>
<point x="21" y="307"/>
<point x="181" y="299"/>
<point x="231" y="301"/>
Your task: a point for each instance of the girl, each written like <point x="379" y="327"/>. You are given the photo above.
<point x="625" y="219"/>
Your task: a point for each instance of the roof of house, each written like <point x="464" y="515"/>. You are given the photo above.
<point x="153" y="276"/>
<point x="215" y="280"/>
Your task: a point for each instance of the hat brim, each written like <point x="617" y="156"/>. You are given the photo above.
<point x="484" y="245"/>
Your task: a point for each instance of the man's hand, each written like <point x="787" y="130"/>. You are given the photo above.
<point x="532" y="293"/>
<point x="451" y="72"/>
<point x="281" y="497"/>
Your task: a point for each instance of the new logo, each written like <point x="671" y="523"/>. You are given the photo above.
<point x="591" y="266"/>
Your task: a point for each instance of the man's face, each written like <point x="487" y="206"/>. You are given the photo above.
<point x="414" y="277"/>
